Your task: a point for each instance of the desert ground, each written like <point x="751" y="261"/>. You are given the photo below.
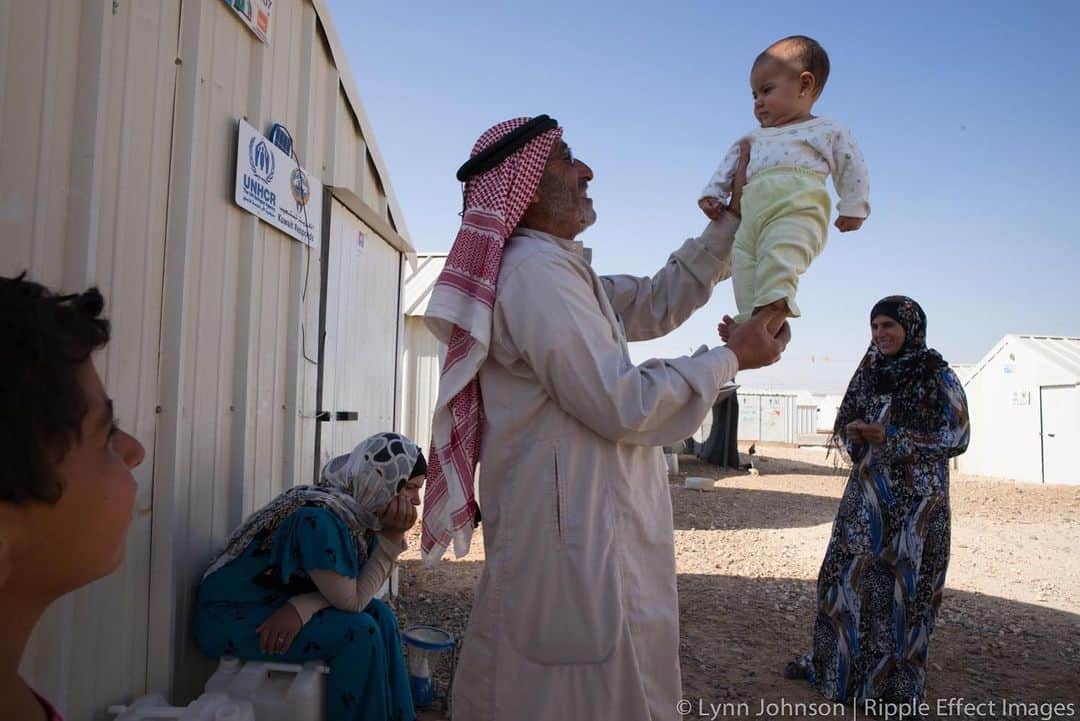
<point x="748" y="553"/>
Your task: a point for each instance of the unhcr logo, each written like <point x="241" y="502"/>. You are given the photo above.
<point x="261" y="159"/>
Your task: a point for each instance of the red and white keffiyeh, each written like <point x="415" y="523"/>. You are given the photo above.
<point x="460" y="315"/>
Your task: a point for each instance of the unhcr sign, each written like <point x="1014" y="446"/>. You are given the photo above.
<point x="273" y="186"/>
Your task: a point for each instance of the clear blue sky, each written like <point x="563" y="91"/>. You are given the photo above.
<point x="967" y="114"/>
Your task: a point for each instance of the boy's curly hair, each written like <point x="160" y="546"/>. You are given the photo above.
<point x="44" y="338"/>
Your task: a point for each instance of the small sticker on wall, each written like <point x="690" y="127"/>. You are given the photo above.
<point x="360" y="242"/>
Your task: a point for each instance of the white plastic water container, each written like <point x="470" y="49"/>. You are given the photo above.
<point x="672" y="462"/>
<point x="147" y="707"/>
<point x="218" y="707"/>
<point x="208" y="707"/>
<point x="277" y="691"/>
<point x="232" y="710"/>
<point x="701" y="484"/>
<point x="225" y="674"/>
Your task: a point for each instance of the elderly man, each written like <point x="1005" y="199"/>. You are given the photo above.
<point x="576" y="613"/>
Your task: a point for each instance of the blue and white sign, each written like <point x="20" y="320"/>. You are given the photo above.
<point x="274" y="187"/>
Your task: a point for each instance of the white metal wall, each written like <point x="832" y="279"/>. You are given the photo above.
<point x="805" y="420"/>
<point x="85" y="117"/>
<point x="1005" y="411"/>
<point x="1060" y="428"/>
<point x="244" y="427"/>
<point x="363" y="322"/>
<point x="749" y="418"/>
<point x="117" y="161"/>
<point x="826" y="413"/>
<point x="421" y="367"/>
<point x="767" y="417"/>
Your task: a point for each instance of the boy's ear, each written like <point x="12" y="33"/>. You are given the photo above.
<point x="807" y="83"/>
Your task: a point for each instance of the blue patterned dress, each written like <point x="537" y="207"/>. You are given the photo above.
<point x="880" y="585"/>
<point x="368" y="680"/>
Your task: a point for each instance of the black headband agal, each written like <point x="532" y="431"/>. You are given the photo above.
<point x="501" y="149"/>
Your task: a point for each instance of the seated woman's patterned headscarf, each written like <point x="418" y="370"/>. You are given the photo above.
<point x="355" y="487"/>
<point x="910" y="376"/>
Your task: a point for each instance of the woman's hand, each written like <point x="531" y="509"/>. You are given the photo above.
<point x="277" y="633"/>
<point x="398" y="517"/>
<point x="854" y="430"/>
<point x="874" y="433"/>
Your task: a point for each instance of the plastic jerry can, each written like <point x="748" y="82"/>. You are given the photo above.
<point x="215" y="706"/>
<point x="208" y="707"/>
<point x="152" y="706"/>
<point x="225" y="674"/>
<point x="231" y="710"/>
<point x="282" y="691"/>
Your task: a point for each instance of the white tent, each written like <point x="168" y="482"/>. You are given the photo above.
<point x="423" y="352"/>
<point x="1024" y="401"/>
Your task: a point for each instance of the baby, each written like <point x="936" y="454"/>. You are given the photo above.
<point x="785" y="207"/>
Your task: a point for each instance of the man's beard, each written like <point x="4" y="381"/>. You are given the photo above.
<point x="588" y="216"/>
<point x="565" y="202"/>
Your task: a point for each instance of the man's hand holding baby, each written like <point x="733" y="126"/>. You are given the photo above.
<point x="712" y="207"/>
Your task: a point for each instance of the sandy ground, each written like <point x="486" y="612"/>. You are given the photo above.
<point x="748" y="555"/>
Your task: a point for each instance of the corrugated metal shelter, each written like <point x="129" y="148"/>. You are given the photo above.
<point x="423" y="351"/>
<point x="827" y="407"/>
<point x="119" y="122"/>
<point x="963" y="371"/>
<point x="806" y="414"/>
<point x="1024" y="402"/>
<point x="767" y="415"/>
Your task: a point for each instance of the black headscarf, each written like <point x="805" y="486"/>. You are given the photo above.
<point x="910" y="376"/>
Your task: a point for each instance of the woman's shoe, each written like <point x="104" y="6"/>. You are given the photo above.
<point x="795" y="670"/>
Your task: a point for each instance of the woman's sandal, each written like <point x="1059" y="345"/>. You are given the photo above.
<point x="794" y="670"/>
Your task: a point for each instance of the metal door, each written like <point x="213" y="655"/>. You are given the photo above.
<point x="1060" y="430"/>
<point x="362" y="321"/>
<point x="775" y="418"/>
<point x="749" y="418"/>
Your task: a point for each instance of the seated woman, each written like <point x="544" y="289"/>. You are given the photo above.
<point x="879" y="589"/>
<point x="297" y="580"/>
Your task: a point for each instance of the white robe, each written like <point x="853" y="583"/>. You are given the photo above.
<point x="576" y="616"/>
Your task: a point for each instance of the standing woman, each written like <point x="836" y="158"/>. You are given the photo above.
<point x="879" y="589"/>
<point x="296" y="582"/>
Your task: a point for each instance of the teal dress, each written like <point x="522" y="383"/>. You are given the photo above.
<point x="368" y="680"/>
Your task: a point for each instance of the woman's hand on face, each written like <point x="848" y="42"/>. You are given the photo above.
<point x="277" y="633"/>
<point x="399" y="515"/>
<point x="874" y="433"/>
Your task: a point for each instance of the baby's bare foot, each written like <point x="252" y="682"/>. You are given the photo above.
<point x="727" y="325"/>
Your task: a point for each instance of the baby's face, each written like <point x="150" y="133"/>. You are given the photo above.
<point x="780" y="93"/>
